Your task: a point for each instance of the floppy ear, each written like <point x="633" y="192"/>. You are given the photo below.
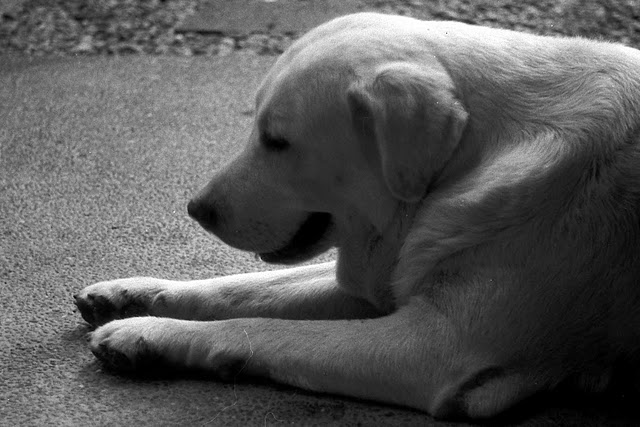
<point x="415" y="119"/>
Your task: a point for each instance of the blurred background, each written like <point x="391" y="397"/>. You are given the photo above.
<point x="217" y="27"/>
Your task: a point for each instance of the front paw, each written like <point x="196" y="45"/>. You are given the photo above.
<point x="129" y="345"/>
<point x="117" y="299"/>
<point x="159" y="345"/>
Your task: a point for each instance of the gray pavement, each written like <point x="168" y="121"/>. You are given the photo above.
<point x="98" y="157"/>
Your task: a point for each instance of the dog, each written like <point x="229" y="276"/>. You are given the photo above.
<point x="482" y="188"/>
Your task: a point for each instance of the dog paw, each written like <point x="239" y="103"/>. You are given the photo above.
<point x="163" y="346"/>
<point x="128" y="345"/>
<point x="117" y="299"/>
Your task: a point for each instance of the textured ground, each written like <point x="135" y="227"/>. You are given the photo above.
<point x="80" y="27"/>
<point x="98" y="157"/>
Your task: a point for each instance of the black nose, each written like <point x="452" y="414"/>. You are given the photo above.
<point x="203" y="212"/>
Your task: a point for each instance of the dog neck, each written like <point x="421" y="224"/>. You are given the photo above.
<point x="367" y="257"/>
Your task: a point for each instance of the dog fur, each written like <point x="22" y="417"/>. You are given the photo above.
<point x="482" y="187"/>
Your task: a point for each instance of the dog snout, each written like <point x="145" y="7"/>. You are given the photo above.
<point x="204" y="212"/>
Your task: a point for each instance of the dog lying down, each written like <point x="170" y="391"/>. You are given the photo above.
<point x="482" y="188"/>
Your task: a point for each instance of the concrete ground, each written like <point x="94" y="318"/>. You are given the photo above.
<point x="98" y="157"/>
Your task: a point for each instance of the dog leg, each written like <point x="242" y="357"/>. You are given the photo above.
<point x="411" y="357"/>
<point x="308" y="292"/>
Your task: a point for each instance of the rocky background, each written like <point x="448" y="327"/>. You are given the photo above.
<point x="98" y="27"/>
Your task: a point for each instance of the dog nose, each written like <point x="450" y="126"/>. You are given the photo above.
<point x="202" y="212"/>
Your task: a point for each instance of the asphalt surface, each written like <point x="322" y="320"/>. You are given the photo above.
<point x="98" y="157"/>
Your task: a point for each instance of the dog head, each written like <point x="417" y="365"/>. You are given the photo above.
<point x="344" y="131"/>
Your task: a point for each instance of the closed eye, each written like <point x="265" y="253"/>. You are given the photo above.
<point x="274" y="143"/>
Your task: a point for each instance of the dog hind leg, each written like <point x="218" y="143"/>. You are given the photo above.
<point x="486" y="393"/>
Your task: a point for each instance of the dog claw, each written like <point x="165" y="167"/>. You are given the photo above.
<point x="85" y="309"/>
<point x="106" y="301"/>
<point x="96" y="309"/>
<point x="113" y="359"/>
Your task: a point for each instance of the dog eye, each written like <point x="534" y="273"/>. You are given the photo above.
<point x="274" y="143"/>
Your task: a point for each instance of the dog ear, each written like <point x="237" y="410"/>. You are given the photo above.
<point x="415" y="119"/>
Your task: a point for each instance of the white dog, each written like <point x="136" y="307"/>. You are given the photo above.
<point x="482" y="187"/>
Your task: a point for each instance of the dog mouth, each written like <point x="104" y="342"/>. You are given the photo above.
<point x="305" y="243"/>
